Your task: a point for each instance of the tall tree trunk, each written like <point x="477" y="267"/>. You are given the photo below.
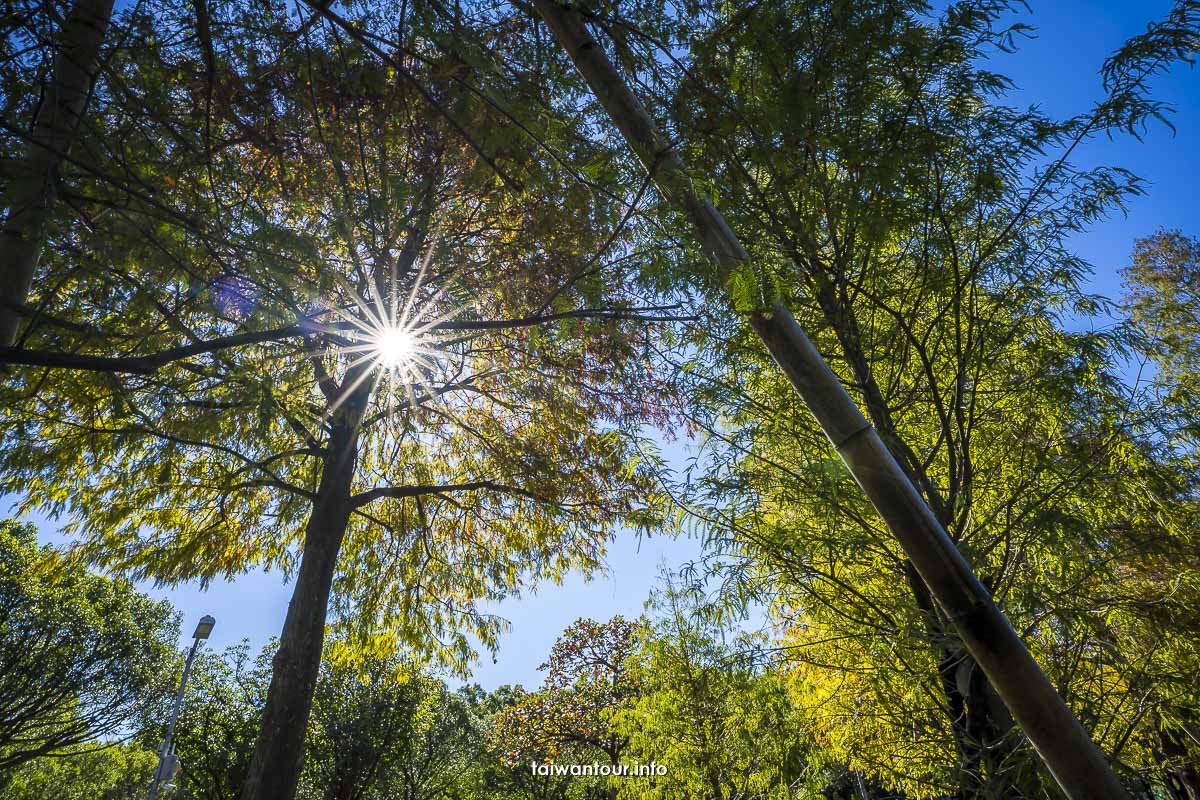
<point x="34" y="190"/>
<point x="614" y="759"/>
<point x="1076" y="763"/>
<point x="1180" y="772"/>
<point x="279" y="751"/>
<point x="979" y="721"/>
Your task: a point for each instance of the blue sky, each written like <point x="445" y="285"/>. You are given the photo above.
<point x="1059" y="71"/>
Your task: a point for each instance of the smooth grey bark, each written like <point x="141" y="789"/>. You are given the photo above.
<point x="31" y="197"/>
<point x="1073" y="759"/>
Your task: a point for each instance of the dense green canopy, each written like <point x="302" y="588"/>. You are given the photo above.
<point x="372" y="294"/>
<point x="82" y="656"/>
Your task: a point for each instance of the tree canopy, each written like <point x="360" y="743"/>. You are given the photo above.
<point x="82" y="656"/>
<point x="393" y="300"/>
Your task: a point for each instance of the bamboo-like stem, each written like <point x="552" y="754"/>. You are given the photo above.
<point x="1073" y="759"/>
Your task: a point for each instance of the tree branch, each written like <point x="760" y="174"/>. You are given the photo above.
<point x="143" y="365"/>
<point x="643" y="314"/>
<point x="147" y="364"/>
<point x="370" y="496"/>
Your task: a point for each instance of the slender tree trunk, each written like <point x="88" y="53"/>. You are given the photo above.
<point x="34" y="190"/>
<point x="614" y="759"/>
<point x="979" y="721"/>
<point x="279" y="751"/>
<point x="949" y="658"/>
<point x="714" y="782"/>
<point x="1180" y="773"/>
<point x="1076" y="763"/>
<point x="840" y="317"/>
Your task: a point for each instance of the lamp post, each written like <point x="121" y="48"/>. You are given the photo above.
<point x="168" y="762"/>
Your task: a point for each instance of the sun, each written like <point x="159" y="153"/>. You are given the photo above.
<point x="394" y="341"/>
<point x="394" y="346"/>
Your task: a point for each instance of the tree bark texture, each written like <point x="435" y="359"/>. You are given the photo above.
<point x="279" y="752"/>
<point x="30" y="199"/>
<point x="979" y="721"/>
<point x="1075" y="762"/>
<point x="1180" y="772"/>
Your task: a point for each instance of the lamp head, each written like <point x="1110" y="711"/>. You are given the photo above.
<point x="204" y="627"/>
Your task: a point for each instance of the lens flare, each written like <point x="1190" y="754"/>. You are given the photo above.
<point x="394" y="347"/>
<point x="392" y="337"/>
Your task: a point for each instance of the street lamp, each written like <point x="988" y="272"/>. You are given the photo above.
<point x="168" y="762"/>
<point x="204" y="627"/>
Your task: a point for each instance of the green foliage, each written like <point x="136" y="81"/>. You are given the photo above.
<point x="387" y="731"/>
<point x="380" y="728"/>
<point x="1163" y="301"/>
<point x="82" y="656"/>
<point x="261" y="208"/>
<point x="215" y="734"/>
<point x="305" y="198"/>
<point x="250" y="195"/>
<point x="919" y="228"/>
<point x="589" y="678"/>
<point x="712" y="710"/>
<point x="111" y="772"/>
<point x="681" y="692"/>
